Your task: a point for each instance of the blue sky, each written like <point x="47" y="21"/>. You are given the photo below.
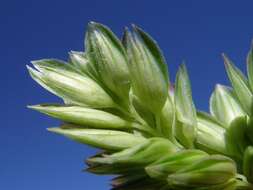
<point x="196" y="32"/>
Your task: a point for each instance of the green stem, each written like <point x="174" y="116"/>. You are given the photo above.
<point x="158" y="123"/>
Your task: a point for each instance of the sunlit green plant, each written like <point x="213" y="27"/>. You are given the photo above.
<point x="118" y="97"/>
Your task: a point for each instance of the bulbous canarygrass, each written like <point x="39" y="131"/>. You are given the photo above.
<point x="116" y="98"/>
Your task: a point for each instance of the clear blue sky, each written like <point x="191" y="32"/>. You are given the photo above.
<point x="194" y="31"/>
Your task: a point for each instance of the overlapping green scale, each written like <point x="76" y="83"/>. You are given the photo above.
<point x="117" y="96"/>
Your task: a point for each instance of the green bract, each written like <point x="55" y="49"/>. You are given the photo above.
<point x="210" y="134"/>
<point x="240" y="85"/>
<point x="106" y="139"/>
<point x="66" y="82"/>
<point x="224" y="106"/>
<point x="149" y="76"/>
<point x="83" y="116"/>
<point x="186" y="119"/>
<point x="210" y="171"/>
<point x="108" y="60"/>
<point x="117" y="97"/>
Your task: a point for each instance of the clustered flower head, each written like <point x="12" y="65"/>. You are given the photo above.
<point x="117" y="97"/>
